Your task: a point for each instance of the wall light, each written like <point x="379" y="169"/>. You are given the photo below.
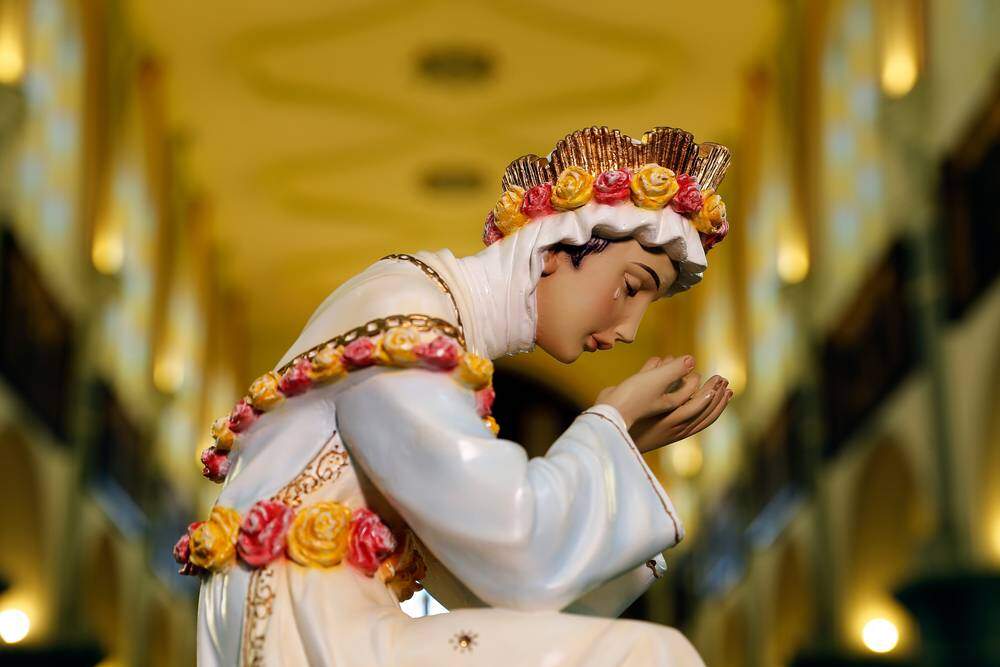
<point x="14" y="625"/>
<point x="11" y="41"/>
<point x="686" y="457"/>
<point x="900" y="37"/>
<point x="880" y="635"/>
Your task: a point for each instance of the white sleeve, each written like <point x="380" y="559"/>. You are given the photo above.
<point x="520" y="534"/>
<point x="613" y="597"/>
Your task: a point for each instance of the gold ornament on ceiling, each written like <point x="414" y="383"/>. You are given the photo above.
<point x="600" y="149"/>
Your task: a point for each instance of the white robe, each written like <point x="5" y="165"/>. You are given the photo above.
<point x="518" y="549"/>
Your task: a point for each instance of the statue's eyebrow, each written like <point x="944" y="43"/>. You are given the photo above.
<point x="656" y="277"/>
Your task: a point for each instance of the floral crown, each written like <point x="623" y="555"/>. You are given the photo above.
<point x="665" y="168"/>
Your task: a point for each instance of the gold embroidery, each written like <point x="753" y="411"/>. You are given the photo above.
<point x="464" y="641"/>
<point x="631" y="446"/>
<point x="436" y="277"/>
<point x="326" y="466"/>
<point x="260" y="604"/>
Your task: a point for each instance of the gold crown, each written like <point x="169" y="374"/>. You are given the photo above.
<point x="599" y="149"/>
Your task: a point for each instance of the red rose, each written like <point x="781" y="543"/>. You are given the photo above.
<point x="296" y="379"/>
<point x="182" y="552"/>
<point x="538" y="201"/>
<point x="216" y="464"/>
<point x="709" y="241"/>
<point x="688" y="199"/>
<point x="613" y="186"/>
<point x="491" y="233"/>
<point x="484" y="400"/>
<point x="262" y="533"/>
<point x="370" y="542"/>
<point x="242" y="416"/>
<point x="359" y="352"/>
<point x="441" y="353"/>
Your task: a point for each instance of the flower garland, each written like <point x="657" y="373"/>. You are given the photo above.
<point x="651" y="186"/>
<point x="414" y="341"/>
<point x="320" y="535"/>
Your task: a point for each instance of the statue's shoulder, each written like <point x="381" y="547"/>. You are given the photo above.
<point x="388" y="287"/>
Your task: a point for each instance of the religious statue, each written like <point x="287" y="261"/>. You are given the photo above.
<point x="367" y="464"/>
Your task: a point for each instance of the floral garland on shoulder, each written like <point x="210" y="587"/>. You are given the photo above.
<point x="403" y="341"/>
<point x="650" y="186"/>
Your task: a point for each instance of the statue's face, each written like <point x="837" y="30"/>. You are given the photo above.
<point x="601" y="302"/>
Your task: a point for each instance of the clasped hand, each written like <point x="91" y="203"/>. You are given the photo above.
<point x="664" y="402"/>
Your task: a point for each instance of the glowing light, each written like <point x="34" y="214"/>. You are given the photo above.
<point x="899" y="71"/>
<point x="11" y="44"/>
<point x="880" y="635"/>
<point x="108" y="251"/>
<point x="686" y="457"/>
<point x="793" y="262"/>
<point x="168" y="373"/>
<point x="14" y="625"/>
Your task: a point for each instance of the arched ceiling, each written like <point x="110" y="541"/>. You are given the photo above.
<point x="326" y="135"/>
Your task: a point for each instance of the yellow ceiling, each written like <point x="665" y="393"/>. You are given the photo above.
<point x="310" y="126"/>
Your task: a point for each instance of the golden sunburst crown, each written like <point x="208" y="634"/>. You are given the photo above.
<point x="599" y="149"/>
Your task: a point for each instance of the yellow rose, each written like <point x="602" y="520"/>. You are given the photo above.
<point x="573" y="188"/>
<point x="507" y="214"/>
<point x="709" y="217"/>
<point x="474" y="371"/>
<point x="400" y="344"/>
<point x="222" y="435"/>
<point x="491" y="423"/>
<point x="213" y="542"/>
<point x="264" y="393"/>
<point x="318" y="534"/>
<point x="327" y="364"/>
<point x="653" y="186"/>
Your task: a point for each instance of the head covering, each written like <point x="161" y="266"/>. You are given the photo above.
<point x="500" y="281"/>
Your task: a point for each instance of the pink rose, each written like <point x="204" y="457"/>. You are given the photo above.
<point x="491" y="233"/>
<point x="359" y="352"/>
<point x="709" y="241"/>
<point x="441" y="353"/>
<point x="484" y="400"/>
<point x="370" y="542"/>
<point x="182" y="552"/>
<point x="613" y="186"/>
<point x="242" y="416"/>
<point x="262" y="533"/>
<point x="296" y="379"/>
<point x="537" y="201"/>
<point x="688" y="198"/>
<point x="216" y="464"/>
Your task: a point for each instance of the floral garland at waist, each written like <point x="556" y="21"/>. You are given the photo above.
<point x="650" y="186"/>
<point x="403" y="341"/>
<point x="319" y="535"/>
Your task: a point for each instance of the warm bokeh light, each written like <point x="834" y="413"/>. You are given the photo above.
<point x="734" y="370"/>
<point x="11" y="44"/>
<point x="686" y="457"/>
<point x="994" y="536"/>
<point x="899" y="71"/>
<point x="793" y="261"/>
<point x="168" y="372"/>
<point x="14" y="625"/>
<point x="880" y="635"/>
<point x="900" y="46"/>
<point x="108" y="250"/>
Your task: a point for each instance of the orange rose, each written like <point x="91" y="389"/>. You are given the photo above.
<point x="223" y="437"/>
<point x="213" y="542"/>
<point x="507" y="215"/>
<point x="318" y="534"/>
<point x="474" y="371"/>
<point x="264" y="393"/>
<point x="653" y="186"/>
<point x="328" y="364"/>
<point x="709" y="218"/>
<point x="573" y="188"/>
